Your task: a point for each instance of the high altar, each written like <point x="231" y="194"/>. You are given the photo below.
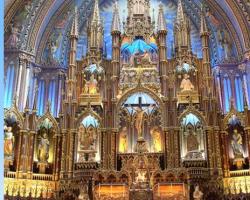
<point x="140" y="126"/>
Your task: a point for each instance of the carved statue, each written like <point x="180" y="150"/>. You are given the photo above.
<point x="92" y="85"/>
<point x="88" y="138"/>
<point x="13" y="38"/>
<point x="139" y="121"/>
<point x="83" y="193"/>
<point x="186" y="84"/>
<point x="43" y="147"/>
<point x="146" y="58"/>
<point x="192" y="142"/>
<point x="236" y="143"/>
<point x="8" y="142"/>
<point x="156" y="135"/>
<point x="197" y="193"/>
<point x="123" y="145"/>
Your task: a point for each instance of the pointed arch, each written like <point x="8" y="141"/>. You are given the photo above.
<point x="49" y="116"/>
<point x="19" y="117"/>
<point x="192" y="110"/>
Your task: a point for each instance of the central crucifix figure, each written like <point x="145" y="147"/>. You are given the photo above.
<point x="139" y="109"/>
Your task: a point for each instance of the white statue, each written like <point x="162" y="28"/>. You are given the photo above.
<point x="197" y="193"/>
<point x="186" y="84"/>
<point x="236" y="143"/>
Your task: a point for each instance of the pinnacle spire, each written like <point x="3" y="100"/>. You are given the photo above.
<point x="204" y="28"/>
<point x="116" y="24"/>
<point x="74" y="28"/>
<point x="161" y="19"/>
<point x="96" y="14"/>
<point x="180" y="12"/>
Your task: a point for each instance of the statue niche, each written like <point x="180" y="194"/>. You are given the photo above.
<point x="238" y="159"/>
<point x="192" y="138"/>
<point x="88" y="132"/>
<point x="140" y="125"/>
<point x="11" y="129"/>
<point x="186" y="74"/>
<point x="91" y="84"/>
<point x="44" y="145"/>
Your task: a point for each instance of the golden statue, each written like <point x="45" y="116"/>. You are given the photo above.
<point x="236" y="144"/>
<point x="123" y="145"/>
<point x="186" y="84"/>
<point x="156" y="135"/>
<point x="43" y="147"/>
<point x="8" y="141"/>
<point x="139" y="121"/>
<point x="91" y="86"/>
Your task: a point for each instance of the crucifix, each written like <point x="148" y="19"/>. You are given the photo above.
<point x="139" y="114"/>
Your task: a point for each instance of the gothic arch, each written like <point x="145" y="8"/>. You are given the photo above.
<point x="231" y="113"/>
<point x="19" y="117"/>
<point x="86" y="113"/>
<point x="132" y="91"/>
<point x="51" y="118"/>
<point x="192" y="110"/>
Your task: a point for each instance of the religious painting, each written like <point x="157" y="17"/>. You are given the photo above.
<point x="13" y="32"/>
<point x="238" y="154"/>
<point x="192" y="138"/>
<point x="88" y="140"/>
<point x="140" y="120"/>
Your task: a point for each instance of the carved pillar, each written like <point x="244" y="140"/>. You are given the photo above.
<point x="170" y="148"/>
<point x="176" y="149"/>
<point x="56" y="151"/>
<point x="19" y="152"/>
<point x="31" y="153"/>
<point x="113" y="153"/>
<point x="247" y="131"/>
<point x="71" y="152"/>
<point x="225" y="153"/>
<point x="210" y="149"/>
<point x="217" y="150"/>
<point x="63" y="158"/>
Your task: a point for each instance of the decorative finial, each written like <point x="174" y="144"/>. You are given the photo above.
<point x="74" y="28"/>
<point x="116" y="24"/>
<point x="161" y="26"/>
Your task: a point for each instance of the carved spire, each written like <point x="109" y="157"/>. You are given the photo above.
<point x="204" y="28"/>
<point x="74" y="27"/>
<point x="96" y="19"/>
<point x="116" y="24"/>
<point x="180" y="12"/>
<point x="161" y="19"/>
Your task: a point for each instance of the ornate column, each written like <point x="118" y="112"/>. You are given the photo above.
<point x="63" y="158"/>
<point x="19" y="157"/>
<point x="210" y="149"/>
<point x="225" y="156"/>
<point x="31" y="143"/>
<point x="247" y="131"/>
<point x="218" y="150"/>
<point x="176" y="149"/>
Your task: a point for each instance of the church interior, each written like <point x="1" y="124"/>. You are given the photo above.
<point x="127" y="99"/>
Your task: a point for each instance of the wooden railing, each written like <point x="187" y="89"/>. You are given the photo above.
<point x="239" y="173"/>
